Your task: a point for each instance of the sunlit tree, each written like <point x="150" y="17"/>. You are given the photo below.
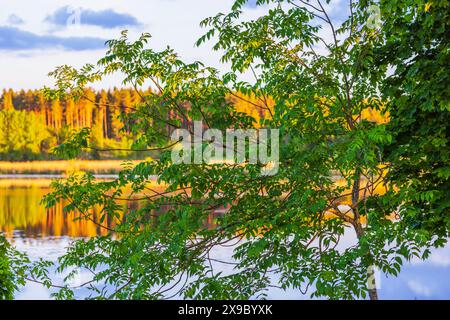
<point x="315" y="80"/>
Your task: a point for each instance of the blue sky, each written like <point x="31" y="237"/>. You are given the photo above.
<point x="37" y="36"/>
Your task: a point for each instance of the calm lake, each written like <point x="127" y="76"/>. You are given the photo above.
<point x="45" y="234"/>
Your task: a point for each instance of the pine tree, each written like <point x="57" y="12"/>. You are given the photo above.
<point x="70" y="113"/>
<point x="7" y="103"/>
<point x="57" y="116"/>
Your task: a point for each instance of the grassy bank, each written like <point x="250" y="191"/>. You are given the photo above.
<point x="61" y="167"/>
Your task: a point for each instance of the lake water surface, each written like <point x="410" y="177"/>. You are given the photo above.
<point x="45" y="233"/>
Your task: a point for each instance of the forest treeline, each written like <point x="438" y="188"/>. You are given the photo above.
<point x="32" y="125"/>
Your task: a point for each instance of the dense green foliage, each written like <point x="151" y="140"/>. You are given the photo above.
<point x="415" y="42"/>
<point x="21" y="135"/>
<point x="7" y="286"/>
<point x="288" y="225"/>
<point x="14" y="266"/>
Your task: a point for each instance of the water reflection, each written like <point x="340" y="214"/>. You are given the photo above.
<point x="22" y="216"/>
<point x="46" y="233"/>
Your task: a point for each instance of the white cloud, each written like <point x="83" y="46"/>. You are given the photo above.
<point x="419" y="288"/>
<point x="14" y="19"/>
<point x="171" y="22"/>
<point x="33" y="291"/>
<point x="439" y="257"/>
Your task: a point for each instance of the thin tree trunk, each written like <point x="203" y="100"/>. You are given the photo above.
<point x="373" y="293"/>
<point x="371" y="284"/>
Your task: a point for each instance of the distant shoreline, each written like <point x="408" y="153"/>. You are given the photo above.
<point x="50" y="176"/>
<point x="10" y="169"/>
